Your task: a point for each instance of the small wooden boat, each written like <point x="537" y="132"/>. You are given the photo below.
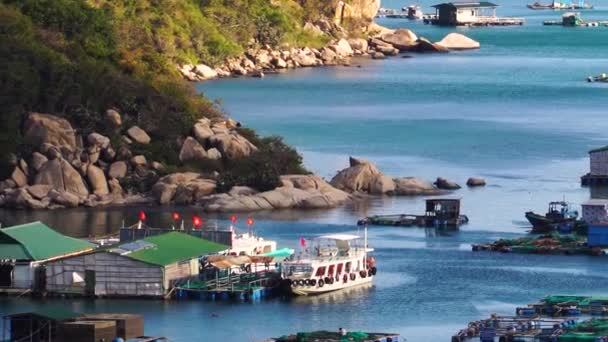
<point x="599" y="78"/>
<point x="559" y="214"/>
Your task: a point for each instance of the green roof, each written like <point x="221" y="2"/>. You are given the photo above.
<point x="36" y="241"/>
<point x="605" y="148"/>
<point x="174" y="247"/>
<point x="51" y="313"/>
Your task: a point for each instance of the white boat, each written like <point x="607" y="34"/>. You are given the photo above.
<point x="333" y="262"/>
<point x="414" y="12"/>
<point x="250" y="244"/>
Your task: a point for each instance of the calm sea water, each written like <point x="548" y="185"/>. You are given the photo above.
<point x="517" y="112"/>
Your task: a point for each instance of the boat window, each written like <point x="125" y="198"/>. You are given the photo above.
<point x="348" y="264"/>
<point x="330" y="271"/>
<point x="320" y="271"/>
<point x="339" y="268"/>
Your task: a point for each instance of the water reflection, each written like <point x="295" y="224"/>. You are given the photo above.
<point x="336" y="297"/>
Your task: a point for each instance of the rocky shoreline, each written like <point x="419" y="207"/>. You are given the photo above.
<point x="257" y="62"/>
<point x="67" y="170"/>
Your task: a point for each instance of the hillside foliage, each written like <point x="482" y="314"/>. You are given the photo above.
<point x="77" y="58"/>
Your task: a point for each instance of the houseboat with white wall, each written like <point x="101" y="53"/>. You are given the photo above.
<point x="481" y="13"/>
<point x="333" y="262"/>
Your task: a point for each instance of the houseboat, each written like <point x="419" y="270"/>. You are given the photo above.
<point x="440" y="212"/>
<point x="414" y="12"/>
<point x="558" y="215"/>
<point x="481" y="13"/>
<point x="557" y="5"/>
<point x="333" y="262"/>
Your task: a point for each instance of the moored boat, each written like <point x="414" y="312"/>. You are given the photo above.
<point x="599" y="78"/>
<point x="414" y="12"/>
<point x="332" y="263"/>
<point x="558" y="215"/>
<point x="556" y="5"/>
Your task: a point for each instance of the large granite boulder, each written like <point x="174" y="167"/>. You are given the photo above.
<point x="304" y="59"/>
<point x="61" y="176"/>
<point x="358" y="44"/>
<point x="182" y="188"/>
<point x="476" y="181"/>
<point x="412" y="186"/>
<point x="192" y="151"/>
<point x="457" y="41"/>
<point x="39" y="191"/>
<point x="204" y="72"/>
<point x="232" y="145"/>
<point x="113" y="118"/>
<point x="19" y="177"/>
<point x="202" y="130"/>
<point x="97" y="180"/>
<point x="37" y="159"/>
<point x="362" y="176"/>
<point x="402" y="39"/>
<point x="424" y="45"/>
<point x="138" y="135"/>
<point x="118" y="170"/>
<point x="446" y="184"/>
<point x="342" y="48"/>
<point x="45" y="128"/>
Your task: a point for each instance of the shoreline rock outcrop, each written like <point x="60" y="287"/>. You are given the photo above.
<point x="260" y="60"/>
<point x="364" y="177"/>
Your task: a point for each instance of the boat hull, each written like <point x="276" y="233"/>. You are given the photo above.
<point x="311" y="290"/>
<point x="542" y="224"/>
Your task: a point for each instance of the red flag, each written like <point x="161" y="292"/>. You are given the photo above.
<point x="233" y="218"/>
<point x="142" y="215"/>
<point x="175" y="216"/>
<point x="249" y="221"/>
<point x="302" y="242"/>
<point x="197" y="221"/>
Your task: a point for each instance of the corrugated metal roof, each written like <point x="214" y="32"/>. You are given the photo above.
<point x="174" y="247"/>
<point x="601" y="149"/>
<point x="481" y="4"/>
<point x="51" y="313"/>
<point x="38" y="242"/>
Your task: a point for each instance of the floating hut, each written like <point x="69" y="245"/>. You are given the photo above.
<point x="598" y="167"/>
<point x="59" y="325"/>
<point x="440" y="212"/>
<point x="146" y="267"/>
<point x="481" y="13"/>
<point x="25" y="248"/>
<point x="330" y="336"/>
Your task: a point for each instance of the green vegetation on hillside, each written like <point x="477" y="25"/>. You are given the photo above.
<point x="77" y="58"/>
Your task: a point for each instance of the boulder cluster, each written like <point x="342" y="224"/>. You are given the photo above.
<point x="67" y="168"/>
<point x="258" y="61"/>
<point x="364" y="177"/>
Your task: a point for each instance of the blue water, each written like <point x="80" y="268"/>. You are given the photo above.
<point x="517" y="112"/>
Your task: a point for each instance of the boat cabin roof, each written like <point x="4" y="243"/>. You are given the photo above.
<point x="466" y="4"/>
<point x="339" y="237"/>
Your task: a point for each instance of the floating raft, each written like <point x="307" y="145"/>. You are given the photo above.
<point x="328" y="336"/>
<point x="545" y="244"/>
<point x="440" y="212"/>
<point x="242" y="287"/>
<point x="567" y="306"/>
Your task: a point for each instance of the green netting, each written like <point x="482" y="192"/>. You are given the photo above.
<point x="592" y="326"/>
<point x="578" y="337"/>
<point x="574" y="300"/>
<point x="325" y="335"/>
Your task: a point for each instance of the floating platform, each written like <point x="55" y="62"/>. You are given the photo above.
<point x="553" y="319"/>
<point x="242" y="287"/>
<point x="545" y="244"/>
<point x="329" y="336"/>
<point x="487" y="21"/>
<point x="440" y="212"/>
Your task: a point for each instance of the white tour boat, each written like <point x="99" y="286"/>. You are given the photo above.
<point x="333" y="262"/>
